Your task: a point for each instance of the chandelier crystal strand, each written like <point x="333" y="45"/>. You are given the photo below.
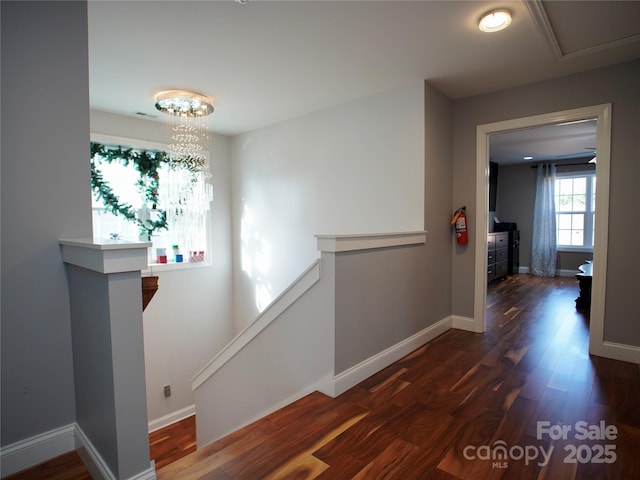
<point x="188" y="197"/>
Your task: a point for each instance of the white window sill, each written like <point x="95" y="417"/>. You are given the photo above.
<point x="574" y="249"/>
<point x="154" y="268"/>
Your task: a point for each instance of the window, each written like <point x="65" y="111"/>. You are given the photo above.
<point x="575" y="211"/>
<point x="167" y="203"/>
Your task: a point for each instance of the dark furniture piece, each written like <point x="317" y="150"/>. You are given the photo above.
<point x="497" y="255"/>
<point x="513" y="245"/>
<point x="513" y="265"/>
<point x="585" y="276"/>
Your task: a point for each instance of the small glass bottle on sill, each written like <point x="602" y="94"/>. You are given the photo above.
<point x="177" y="256"/>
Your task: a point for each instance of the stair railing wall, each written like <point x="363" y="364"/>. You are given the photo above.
<point x="361" y="307"/>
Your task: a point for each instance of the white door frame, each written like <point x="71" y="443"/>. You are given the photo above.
<point x="597" y="345"/>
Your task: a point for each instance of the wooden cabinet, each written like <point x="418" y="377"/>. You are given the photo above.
<point x="497" y="255"/>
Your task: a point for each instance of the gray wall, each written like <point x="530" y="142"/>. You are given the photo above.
<point x="516" y="195"/>
<point x="111" y="403"/>
<point x="411" y="285"/>
<point x="92" y="360"/>
<point x="617" y="85"/>
<point x="437" y="204"/>
<point x="516" y="190"/>
<point x="379" y="301"/>
<point x="45" y="196"/>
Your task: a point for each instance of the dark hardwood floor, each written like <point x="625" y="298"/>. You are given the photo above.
<point x="173" y="442"/>
<point x="65" y="467"/>
<point x="524" y="400"/>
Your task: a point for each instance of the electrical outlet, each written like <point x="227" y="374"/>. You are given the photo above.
<point x="167" y="390"/>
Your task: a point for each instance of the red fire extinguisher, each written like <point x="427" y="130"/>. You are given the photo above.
<point x="460" y="221"/>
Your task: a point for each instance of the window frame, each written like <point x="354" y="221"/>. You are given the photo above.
<point x="136" y="143"/>
<point x="589" y="212"/>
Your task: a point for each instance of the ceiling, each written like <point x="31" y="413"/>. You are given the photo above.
<point x="265" y="61"/>
<point x="573" y="140"/>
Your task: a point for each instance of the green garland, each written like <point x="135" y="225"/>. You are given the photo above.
<point x="147" y="163"/>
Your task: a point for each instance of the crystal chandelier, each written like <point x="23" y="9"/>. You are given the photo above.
<point x="187" y="189"/>
<point x="188" y="129"/>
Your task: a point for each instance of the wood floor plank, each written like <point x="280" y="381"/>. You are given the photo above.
<point x="423" y="424"/>
<point x="307" y="467"/>
<point x="366" y="439"/>
<point x="477" y="433"/>
<point x="344" y="466"/>
<point x="514" y="423"/>
<point x="64" y="467"/>
<point x="172" y="442"/>
<point x="386" y="464"/>
<point x="304" y="455"/>
<point x="389" y="380"/>
<point x="423" y="463"/>
<point x="276" y="450"/>
<point x="211" y="457"/>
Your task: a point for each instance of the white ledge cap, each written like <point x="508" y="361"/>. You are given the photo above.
<point x="365" y="241"/>
<point x="105" y="256"/>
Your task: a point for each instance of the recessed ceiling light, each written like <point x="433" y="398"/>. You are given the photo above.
<point x="527" y="158"/>
<point x="495" y="20"/>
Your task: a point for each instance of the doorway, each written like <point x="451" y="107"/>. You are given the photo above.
<point x="602" y="114"/>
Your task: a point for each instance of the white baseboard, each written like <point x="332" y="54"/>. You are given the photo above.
<point x="559" y="272"/>
<point x="37" y="449"/>
<point x="463" y="323"/>
<point x="40" y="448"/>
<point x="91" y="458"/>
<point x="354" y="375"/>
<point x="173" y="417"/>
<point x="618" y="351"/>
<point x="96" y="465"/>
<point x="566" y="273"/>
<point x="149" y="474"/>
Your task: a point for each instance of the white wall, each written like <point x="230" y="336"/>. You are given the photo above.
<point x="189" y="319"/>
<point x="291" y="356"/>
<point x="354" y="168"/>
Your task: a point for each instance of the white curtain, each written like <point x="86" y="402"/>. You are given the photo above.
<point x="543" y="242"/>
